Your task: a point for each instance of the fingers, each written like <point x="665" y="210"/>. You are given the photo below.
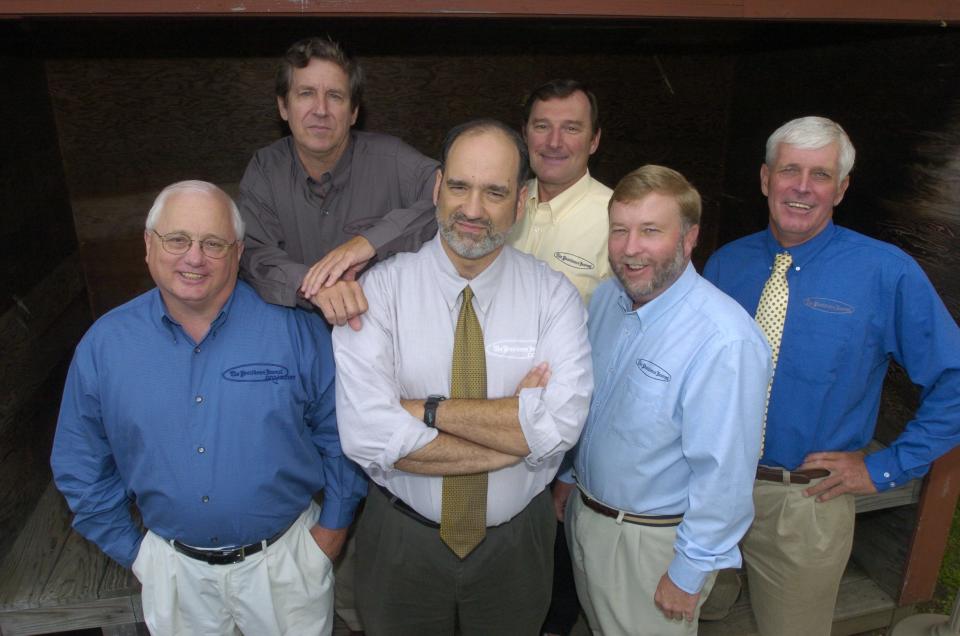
<point x="561" y="494"/>
<point x="327" y="269"/>
<point x="536" y="378"/>
<point x="342" y="303"/>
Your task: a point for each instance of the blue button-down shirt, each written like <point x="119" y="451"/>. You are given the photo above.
<point x="855" y="304"/>
<point x="674" y="426"/>
<point x="219" y="443"/>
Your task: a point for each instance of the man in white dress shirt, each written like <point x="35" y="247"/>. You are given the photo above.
<point x="393" y="378"/>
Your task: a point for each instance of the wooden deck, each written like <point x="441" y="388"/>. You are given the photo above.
<point x="54" y="580"/>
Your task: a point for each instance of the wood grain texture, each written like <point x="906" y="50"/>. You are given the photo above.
<point x="28" y="565"/>
<point x="97" y="613"/>
<point x="757" y="9"/>
<point x="938" y="501"/>
<point x="55" y="580"/>
<point x="35" y="223"/>
<point x="32" y="340"/>
<point x="30" y="416"/>
<point x="880" y="546"/>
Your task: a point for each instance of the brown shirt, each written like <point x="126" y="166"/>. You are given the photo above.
<point x="381" y="189"/>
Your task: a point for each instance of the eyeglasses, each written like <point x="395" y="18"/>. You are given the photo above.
<point x="178" y="244"/>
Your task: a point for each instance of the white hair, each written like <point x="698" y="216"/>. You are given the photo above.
<point x="153" y="217"/>
<point x="812" y="133"/>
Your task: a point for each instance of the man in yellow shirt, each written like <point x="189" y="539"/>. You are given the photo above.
<point x="565" y="223"/>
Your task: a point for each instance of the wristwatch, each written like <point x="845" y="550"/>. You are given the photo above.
<point x="430" y="409"/>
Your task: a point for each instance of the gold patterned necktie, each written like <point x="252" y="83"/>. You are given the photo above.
<point x="463" y="504"/>
<point x="771" y="314"/>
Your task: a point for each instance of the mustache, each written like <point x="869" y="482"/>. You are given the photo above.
<point x="460" y="216"/>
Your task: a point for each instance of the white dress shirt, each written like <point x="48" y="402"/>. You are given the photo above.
<point x="528" y="313"/>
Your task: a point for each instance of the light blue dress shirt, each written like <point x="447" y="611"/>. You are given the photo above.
<point x="855" y="304"/>
<point x="674" y="426"/>
<point x="219" y="443"/>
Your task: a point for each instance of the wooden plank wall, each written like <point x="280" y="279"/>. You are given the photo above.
<point x="138" y="107"/>
<point x="42" y="309"/>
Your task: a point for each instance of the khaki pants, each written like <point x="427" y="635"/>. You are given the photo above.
<point x="795" y="554"/>
<point x="617" y="567"/>
<point x="286" y="588"/>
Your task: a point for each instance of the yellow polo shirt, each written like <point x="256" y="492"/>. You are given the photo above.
<point x="569" y="232"/>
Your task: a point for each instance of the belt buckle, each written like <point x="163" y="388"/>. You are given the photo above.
<point x="227" y="557"/>
<point x="236" y="556"/>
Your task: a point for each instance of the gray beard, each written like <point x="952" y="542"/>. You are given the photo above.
<point x="467" y="248"/>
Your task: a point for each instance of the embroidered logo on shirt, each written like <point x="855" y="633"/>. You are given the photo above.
<point x="257" y="372"/>
<point x="828" y="305"/>
<point x="517" y="349"/>
<point x="653" y="370"/>
<point x="573" y="260"/>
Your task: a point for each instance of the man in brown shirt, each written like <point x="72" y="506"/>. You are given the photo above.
<point x="322" y="203"/>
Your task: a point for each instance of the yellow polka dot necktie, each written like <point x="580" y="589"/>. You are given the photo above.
<point x="771" y="314"/>
<point x="463" y="504"/>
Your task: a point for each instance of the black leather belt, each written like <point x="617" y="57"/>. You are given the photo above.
<point x="654" y="521"/>
<point x="402" y="506"/>
<point x="228" y="556"/>
<point x="787" y="477"/>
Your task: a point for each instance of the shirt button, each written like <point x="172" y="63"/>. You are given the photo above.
<point x="214" y="540"/>
<point x="198" y="399"/>
<point x="205" y="499"/>
<point x="887" y="475"/>
<point x="201" y="450"/>
<point x="893" y="484"/>
<point x="197" y="350"/>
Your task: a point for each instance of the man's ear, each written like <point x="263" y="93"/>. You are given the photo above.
<point x="595" y="142"/>
<point x="436" y="186"/>
<point x="282" y="107"/>
<point x="521" y="204"/>
<point x="842" y="190"/>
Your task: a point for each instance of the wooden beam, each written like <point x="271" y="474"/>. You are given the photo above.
<point x="934" y="11"/>
<point x="938" y="500"/>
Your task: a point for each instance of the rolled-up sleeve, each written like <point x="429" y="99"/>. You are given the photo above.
<point x="553" y="417"/>
<point x="375" y="430"/>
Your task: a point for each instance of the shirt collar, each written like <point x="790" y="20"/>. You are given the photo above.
<point x="163" y="320"/>
<point x="484" y="285"/>
<point x="806" y="251"/>
<point x="651" y="311"/>
<point x="340" y="173"/>
<point x="561" y="204"/>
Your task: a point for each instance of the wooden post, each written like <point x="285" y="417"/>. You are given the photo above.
<point x="938" y="500"/>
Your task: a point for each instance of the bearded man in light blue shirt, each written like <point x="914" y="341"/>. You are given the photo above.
<point x="666" y="461"/>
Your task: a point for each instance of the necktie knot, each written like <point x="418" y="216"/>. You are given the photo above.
<point x="468" y="294"/>
<point x="781" y="263"/>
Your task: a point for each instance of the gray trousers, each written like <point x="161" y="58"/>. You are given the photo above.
<point x="409" y="583"/>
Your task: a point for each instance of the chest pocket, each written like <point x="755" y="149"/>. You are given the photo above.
<point x="644" y="408"/>
<point x="823" y="343"/>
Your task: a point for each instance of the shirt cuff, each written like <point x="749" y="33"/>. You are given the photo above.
<point x="685" y="575"/>
<point x="337" y="513"/>
<point x="378" y="236"/>
<point x="537" y="426"/>
<point x="884" y="470"/>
